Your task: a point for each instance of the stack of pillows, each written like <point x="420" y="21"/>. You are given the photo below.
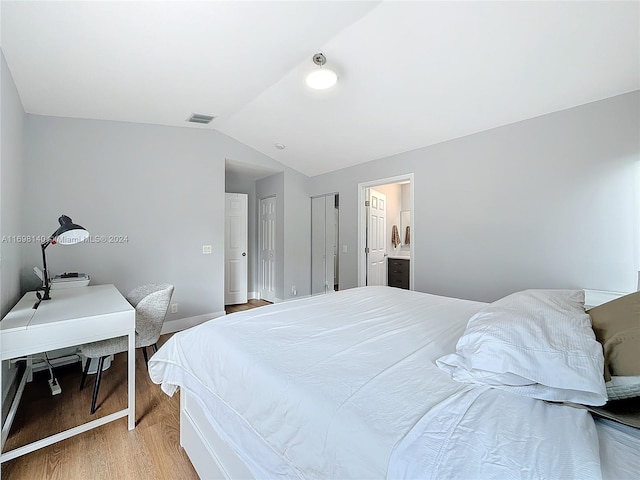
<point x="542" y="344"/>
<point x="617" y="327"/>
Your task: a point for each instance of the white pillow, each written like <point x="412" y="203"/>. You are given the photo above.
<point x="623" y="387"/>
<point x="536" y="343"/>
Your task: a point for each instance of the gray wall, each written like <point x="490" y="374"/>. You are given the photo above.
<point x="12" y="121"/>
<point x="11" y="179"/>
<point x="549" y="202"/>
<point x="293" y="227"/>
<point x="162" y="187"/>
<point x="297" y="234"/>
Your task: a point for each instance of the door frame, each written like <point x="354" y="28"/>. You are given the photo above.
<point x="362" y="224"/>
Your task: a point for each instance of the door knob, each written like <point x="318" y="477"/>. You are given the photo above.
<point x="244" y="254"/>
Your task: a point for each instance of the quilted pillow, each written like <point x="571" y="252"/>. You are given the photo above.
<point x="536" y="343"/>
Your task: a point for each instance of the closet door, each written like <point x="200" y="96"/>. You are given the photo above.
<point x="267" y="248"/>
<point x="318" y="253"/>
<point x="235" y="248"/>
<point x="324" y="244"/>
<point x="331" y="243"/>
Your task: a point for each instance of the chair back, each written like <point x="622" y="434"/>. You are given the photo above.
<point x="151" y="303"/>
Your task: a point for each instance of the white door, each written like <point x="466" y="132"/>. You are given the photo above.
<point x="318" y="246"/>
<point x="235" y="248"/>
<point x="267" y="248"/>
<point x="324" y="244"/>
<point x="376" y="238"/>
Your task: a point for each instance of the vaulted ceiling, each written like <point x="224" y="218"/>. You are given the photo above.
<point x="411" y="74"/>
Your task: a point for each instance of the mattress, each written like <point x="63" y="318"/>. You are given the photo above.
<point x="345" y="386"/>
<point x="619" y="450"/>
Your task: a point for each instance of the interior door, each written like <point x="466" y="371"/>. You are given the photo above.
<point x="235" y="248"/>
<point x="267" y="248"/>
<point x="376" y="238"/>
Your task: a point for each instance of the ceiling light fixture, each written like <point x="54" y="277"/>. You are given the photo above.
<point x="321" y="78"/>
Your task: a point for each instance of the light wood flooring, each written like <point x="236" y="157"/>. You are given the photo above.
<point x="245" y="306"/>
<point x="150" y="451"/>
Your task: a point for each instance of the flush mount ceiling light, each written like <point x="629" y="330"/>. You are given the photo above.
<point x="321" y="78"/>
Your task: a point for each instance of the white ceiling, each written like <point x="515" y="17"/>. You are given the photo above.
<point x="411" y="74"/>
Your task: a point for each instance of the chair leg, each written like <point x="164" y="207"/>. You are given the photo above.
<point x="84" y="372"/>
<point x="96" y="387"/>
<point x="144" y="353"/>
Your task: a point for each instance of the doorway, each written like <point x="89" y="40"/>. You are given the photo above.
<point x="387" y="234"/>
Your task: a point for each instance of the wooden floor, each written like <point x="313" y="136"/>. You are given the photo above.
<point x="150" y="451"/>
<point x="245" y="306"/>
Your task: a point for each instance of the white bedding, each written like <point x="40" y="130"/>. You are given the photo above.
<point x="345" y="386"/>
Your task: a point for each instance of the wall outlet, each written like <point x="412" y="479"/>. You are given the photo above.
<point x="294" y="291"/>
<point x="174" y="308"/>
<point x="207" y="249"/>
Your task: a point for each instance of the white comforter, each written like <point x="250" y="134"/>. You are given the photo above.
<point x="345" y="386"/>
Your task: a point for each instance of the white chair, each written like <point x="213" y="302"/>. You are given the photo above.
<point x="151" y="303"/>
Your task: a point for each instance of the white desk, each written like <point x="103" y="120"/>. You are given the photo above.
<point x="72" y="317"/>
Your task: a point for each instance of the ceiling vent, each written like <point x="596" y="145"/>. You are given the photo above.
<point x="199" y="118"/>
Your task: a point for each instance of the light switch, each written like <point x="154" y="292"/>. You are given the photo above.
<point x="206" y="249"/>
<point x="344" y="248"/>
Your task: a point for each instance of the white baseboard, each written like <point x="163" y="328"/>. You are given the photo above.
<point x="171" y="326"/>
<point x="593" y="298"/>
<point x="297" y="297"/>
<point x="253" y="295"/>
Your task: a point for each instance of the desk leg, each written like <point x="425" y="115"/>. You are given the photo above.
<point x="132" y="380"/>
<point x="1" y="407"/>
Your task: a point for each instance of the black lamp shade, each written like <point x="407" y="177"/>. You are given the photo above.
<point x="69" y="233"/>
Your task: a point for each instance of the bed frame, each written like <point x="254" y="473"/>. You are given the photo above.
<point x="210" y="455"/>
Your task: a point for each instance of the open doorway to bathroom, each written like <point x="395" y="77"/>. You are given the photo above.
<point x="385" y="232"/>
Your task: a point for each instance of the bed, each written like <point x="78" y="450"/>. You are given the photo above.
<point x="368" y="383"/>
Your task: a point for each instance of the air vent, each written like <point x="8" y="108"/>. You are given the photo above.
<point x="199" y="118"/>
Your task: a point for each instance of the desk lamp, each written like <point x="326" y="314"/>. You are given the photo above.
<point x="67" y="234"/>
